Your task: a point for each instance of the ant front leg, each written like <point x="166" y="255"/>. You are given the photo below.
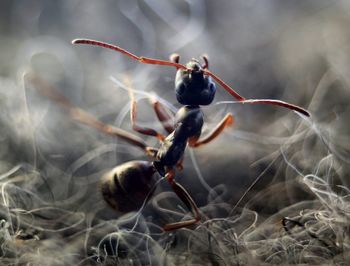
<point x="182" y="193"/>
<point x="165" y="116"/>
<point x="225" y="122"/>
<point x="133" y="112"/>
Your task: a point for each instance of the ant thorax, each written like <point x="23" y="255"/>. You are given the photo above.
<point x="189" y="121"/>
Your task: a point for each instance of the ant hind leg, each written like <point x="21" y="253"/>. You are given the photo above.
<point x="182" y="193"/>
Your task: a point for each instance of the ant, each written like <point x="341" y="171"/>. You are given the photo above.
<point x="129" y="185"/>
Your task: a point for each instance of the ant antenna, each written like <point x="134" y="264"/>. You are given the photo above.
<point x="256" y="101"/>
<point x="141" y="59"/>
<point x="177" y="65"/>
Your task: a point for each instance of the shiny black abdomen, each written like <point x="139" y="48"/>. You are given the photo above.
<point x="126" y="187"/>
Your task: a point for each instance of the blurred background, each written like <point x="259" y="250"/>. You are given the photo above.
<point x="272" y="164"/>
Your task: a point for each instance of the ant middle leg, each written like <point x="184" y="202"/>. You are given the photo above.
<point x="182" y="193"/>
<point x="225" y="122"/>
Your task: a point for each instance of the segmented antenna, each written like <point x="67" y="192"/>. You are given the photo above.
<point x="141" y="59"/>
<point x="177" y="65"/>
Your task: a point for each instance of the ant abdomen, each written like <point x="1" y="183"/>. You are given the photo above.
<point x="127" y="186"/>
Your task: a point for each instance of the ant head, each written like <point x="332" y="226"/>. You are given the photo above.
<point x="192" y="85"/>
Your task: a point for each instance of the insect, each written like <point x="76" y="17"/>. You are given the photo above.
<point x="129" y="185"/>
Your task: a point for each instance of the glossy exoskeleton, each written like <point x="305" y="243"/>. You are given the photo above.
<point x="129" y="185"/>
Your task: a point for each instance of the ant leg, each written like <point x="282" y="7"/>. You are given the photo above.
<point x="142" y="130"/>
<point x="225" y="122"/>
<point x="182" y="193"/>
<point x="83" y="117"/>
<point x="133" y="111"/>
<point x="165" y="116"/>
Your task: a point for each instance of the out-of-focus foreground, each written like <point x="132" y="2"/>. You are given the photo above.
<point x="273" y="189"/>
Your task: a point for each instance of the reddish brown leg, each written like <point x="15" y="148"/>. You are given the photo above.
<point x="83" y="117"/>
<point x="165" y="116"/>
<point x="182" y="193"/>
<point x="133" y="112"/>
<point x="143" y="130"/>
<point x="225" y="122"/>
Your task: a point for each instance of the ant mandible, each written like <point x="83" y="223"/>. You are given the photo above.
<point x="129" y="185"/>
